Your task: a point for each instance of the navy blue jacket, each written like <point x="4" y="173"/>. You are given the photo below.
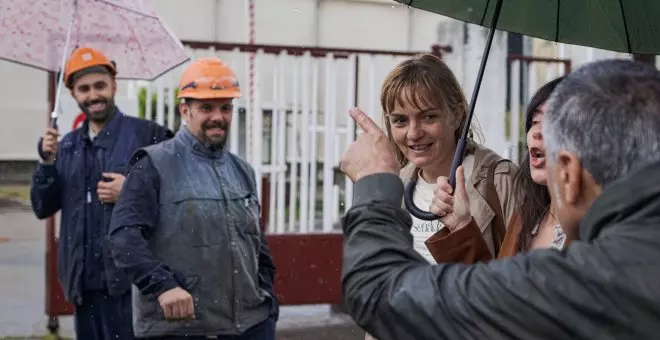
<point x="69" y="186"/>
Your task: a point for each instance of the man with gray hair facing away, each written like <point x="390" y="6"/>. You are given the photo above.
<point x="602" y="136"/>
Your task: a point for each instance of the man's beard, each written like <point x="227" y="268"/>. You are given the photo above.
<point x="98" y="116"/>
<point x="215" y="143"/>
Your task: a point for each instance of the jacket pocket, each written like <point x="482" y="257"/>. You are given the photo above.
<point x="245" y="211"/>
<point x="194" y="222"/>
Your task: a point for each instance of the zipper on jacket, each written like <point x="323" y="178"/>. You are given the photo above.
<point x="232" y="246"/>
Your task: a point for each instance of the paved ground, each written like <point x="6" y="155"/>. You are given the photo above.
<point x="22" y="240"/>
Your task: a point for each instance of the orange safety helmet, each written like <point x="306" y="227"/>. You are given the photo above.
<point x="83" y="58"/>
<point x="208" y="78"/>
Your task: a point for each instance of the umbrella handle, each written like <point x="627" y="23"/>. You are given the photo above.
<point x="53" y="119"/>
<point x="409" y="193"/>
<point x="53" y="124"/>
<point x="412" y="208"/>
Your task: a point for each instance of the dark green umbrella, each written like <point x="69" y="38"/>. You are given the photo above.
<point x="631" y="26"/>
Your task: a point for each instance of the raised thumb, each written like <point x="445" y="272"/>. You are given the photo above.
<point x="460" y="191"/>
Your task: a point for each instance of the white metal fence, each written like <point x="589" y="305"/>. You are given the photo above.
<point x="292" y="124"/>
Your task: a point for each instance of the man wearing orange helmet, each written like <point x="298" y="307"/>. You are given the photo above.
<point x="81" y="177"/>
<point x="186" y="228"/>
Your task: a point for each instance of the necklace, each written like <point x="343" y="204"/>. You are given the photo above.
<point x="559" y="237"/>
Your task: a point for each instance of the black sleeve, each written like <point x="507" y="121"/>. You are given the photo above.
<point x="134" y="218"/>
<point x="393" y="293"/>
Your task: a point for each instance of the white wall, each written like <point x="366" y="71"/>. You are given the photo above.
<point x="23" y="110"/>
<point x="579" y="55"/>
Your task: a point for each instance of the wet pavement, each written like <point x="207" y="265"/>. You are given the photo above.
<point x="22" y="273"/>
<point x="22" y="257"/>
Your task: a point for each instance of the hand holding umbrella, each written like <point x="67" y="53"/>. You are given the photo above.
<point x="452" y="205"/>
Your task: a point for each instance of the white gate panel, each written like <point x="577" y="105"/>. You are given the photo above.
<point x="328" y="129"/>
<point x="305" y="149"/>
<point x="311" y="130"/>
<point x="350" y="125"/>
<point x="293" y="143"/>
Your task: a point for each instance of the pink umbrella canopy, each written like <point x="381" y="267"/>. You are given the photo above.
<point x="34" y="33"/>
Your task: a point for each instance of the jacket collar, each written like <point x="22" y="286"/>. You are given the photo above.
<point x="108" y="135"/>
<point x="631" y="200"/>
<point x="189" y="140"/>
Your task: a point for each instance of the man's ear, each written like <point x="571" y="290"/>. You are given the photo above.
<point x="184" y="109"/>
<point x="569" y="177"/>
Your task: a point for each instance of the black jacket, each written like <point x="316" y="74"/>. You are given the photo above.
<point x="605" y="286"/>
<point x="69" y="186"/>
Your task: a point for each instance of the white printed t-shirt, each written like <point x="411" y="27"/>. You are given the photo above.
<point x="423" y="195"/>
<point x="422" y="230"/>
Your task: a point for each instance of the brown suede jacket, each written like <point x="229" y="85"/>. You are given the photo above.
<point x="467" y="246"/>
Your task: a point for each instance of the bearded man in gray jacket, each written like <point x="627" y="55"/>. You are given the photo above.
<point x="187" y="228"/>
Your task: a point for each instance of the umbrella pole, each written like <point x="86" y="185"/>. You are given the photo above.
<point x="60" y="78"/>
<point x="462" y="142"/>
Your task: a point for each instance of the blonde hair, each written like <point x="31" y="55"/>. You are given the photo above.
<point x="424" y="79"/>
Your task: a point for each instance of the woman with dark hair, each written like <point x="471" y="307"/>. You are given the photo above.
<point x="537" y="226"/>
<point x="533" y="224"/>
